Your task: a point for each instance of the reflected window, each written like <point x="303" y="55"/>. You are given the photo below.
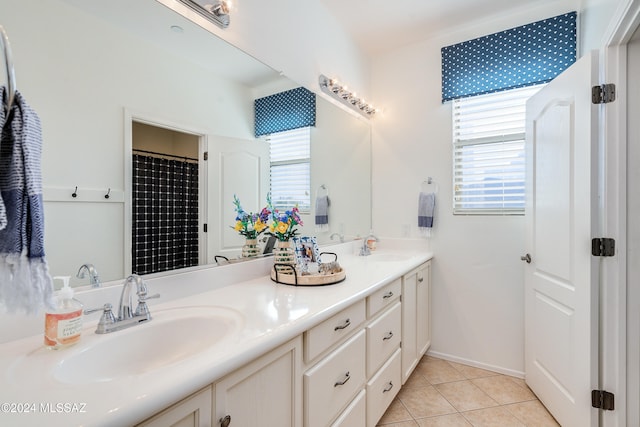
<point x="290" y="169"/>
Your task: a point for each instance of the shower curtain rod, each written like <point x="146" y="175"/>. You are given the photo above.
<point x="166" y="155"/>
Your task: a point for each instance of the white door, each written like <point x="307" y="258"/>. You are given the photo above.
<point x="561" y="280"/>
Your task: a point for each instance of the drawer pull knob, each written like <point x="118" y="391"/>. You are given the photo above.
<point x="347" y="377"/>
<point x="388" y="336"/>
<point x="421" y="279"/>
<point x="388" y="388"/>
<point x="226" y="421"/>
<point x="346" y="324"/>
<point x="387" y="295"/>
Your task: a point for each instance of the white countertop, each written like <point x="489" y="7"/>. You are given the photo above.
<point x="268" y="315"/>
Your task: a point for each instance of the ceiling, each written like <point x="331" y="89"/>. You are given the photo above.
<point x="381" y="25"/>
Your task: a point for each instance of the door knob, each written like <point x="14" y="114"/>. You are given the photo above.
<point x="526" y="258"/>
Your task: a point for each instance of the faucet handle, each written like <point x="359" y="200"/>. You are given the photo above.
<point x="106" y="319"/>
<point x="143" y="309"/>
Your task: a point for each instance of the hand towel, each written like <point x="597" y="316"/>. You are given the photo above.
<point x="426" y="208"/>
<point x="322" y="213"/>
<point x="25" y="283"/>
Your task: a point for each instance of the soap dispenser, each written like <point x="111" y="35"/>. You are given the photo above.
<point x="63" y="325"/>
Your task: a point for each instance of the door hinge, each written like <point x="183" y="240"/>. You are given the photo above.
<point x="602" y="400"/>
<point x="206" y="155"/>
<point x="603" y="246"/>
<point x="603" y="94"/>
<point x="204" y="227"/>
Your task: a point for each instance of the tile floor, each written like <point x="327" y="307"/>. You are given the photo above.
<point x="441" y="393"/>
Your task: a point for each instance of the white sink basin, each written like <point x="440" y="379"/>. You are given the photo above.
<point x="172" y="336"/>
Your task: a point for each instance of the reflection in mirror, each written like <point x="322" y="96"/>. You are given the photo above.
<point x="94" y="70"/>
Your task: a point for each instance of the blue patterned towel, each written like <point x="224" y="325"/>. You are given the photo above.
<point x="25" y="283"/>
<point x="322" y="213"/>
<point x="426" y="208"/>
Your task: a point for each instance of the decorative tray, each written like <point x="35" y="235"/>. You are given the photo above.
<point x="288" y="274"/>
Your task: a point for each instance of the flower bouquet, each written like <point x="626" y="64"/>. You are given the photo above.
<point x="250" y="225"/>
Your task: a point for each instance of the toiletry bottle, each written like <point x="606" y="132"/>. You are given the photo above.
<point x="371" y="241"/>
<point x="63" y="325"/>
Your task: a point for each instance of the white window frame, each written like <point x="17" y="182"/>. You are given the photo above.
<point x="488" y="152"/>
<point x="294" y="156"/>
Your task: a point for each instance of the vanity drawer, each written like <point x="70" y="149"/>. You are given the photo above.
<point x="321" y="337"/>
<point x="383" y="338"/>
<point x="331" y="384"/>
<point x="383" y="297"/>
<point x="382" y="388"/>
<point x="356" y="413"/>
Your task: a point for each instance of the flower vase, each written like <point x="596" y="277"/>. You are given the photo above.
<point x="283" y="253"/>
<point x="250" y="248"/>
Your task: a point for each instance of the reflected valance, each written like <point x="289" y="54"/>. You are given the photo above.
<point x="523" y="56"/>
<point x="283" y="111"/>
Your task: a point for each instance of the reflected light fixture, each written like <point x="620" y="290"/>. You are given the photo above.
<point x="341" y="93"/>
<point x="216" y="11"/>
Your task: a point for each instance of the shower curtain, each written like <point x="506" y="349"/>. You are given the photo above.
<point x="165" y="214"/>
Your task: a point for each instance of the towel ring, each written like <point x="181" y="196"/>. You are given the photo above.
<point x="429" y="186"/>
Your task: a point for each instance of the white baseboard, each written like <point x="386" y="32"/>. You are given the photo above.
<point x="475" y="364"/>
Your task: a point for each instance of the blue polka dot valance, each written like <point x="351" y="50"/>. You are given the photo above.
<point x="523" y="56"/>
<point x="287" y="110"/>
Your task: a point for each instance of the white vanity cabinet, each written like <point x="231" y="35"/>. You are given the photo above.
<point x="416" y="317"/>
<point x="267" y="392"/>
<point x="335" y="356"/>
<point x="384" y="331"/>
<point x="343" y="372"/>
<point x="194" y="411"/>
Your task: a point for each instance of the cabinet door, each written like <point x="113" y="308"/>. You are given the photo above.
<point x="423" y="309"/>
<point x="409" y="344"/>
<point x="194" y="411"/>
<point x="265" y="393"/>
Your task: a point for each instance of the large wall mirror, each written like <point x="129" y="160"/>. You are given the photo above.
<point x="95" y="71"/>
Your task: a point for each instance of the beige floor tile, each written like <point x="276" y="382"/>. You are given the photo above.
<point x="503" y="389"/>
<point x="492" y="417"/>
<point x="411" y="423"/>
<point x="438" y="371"/>
<point x="465" y="396"/>
<point x="453" y="420"/>
<point x="395" y="413"/>
<point x="425" y="402"/>
<point x="416" y="380"/>
<point x="532" y="413"/>
<point x="471" y="372"/>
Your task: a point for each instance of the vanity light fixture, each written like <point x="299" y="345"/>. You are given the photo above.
<point x="341" y="93"/>
<point x="216" y="11"/>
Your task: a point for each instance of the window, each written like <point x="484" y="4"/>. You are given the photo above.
<point x="290" y="153"/>
<point x="488" y="152"/>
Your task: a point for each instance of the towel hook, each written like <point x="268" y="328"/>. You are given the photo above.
<point x="75" y="192"/>
<point x="106" y="196"/>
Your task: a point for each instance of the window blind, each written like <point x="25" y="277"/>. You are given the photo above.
<point x="488" y="152"/>
<point x="290" y="154"/>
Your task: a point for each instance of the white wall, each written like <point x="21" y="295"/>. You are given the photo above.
<point x="477" y="273"/>
<point x="299" y="38"/>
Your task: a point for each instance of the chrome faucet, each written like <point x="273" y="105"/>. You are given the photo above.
<point x="127" y="316"/>
<point x="341" y="236"/>
<point x="94" y="279"/>
<point x="364" y="251"/>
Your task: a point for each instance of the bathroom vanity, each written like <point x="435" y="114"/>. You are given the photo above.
<point x="252" y="353"/>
